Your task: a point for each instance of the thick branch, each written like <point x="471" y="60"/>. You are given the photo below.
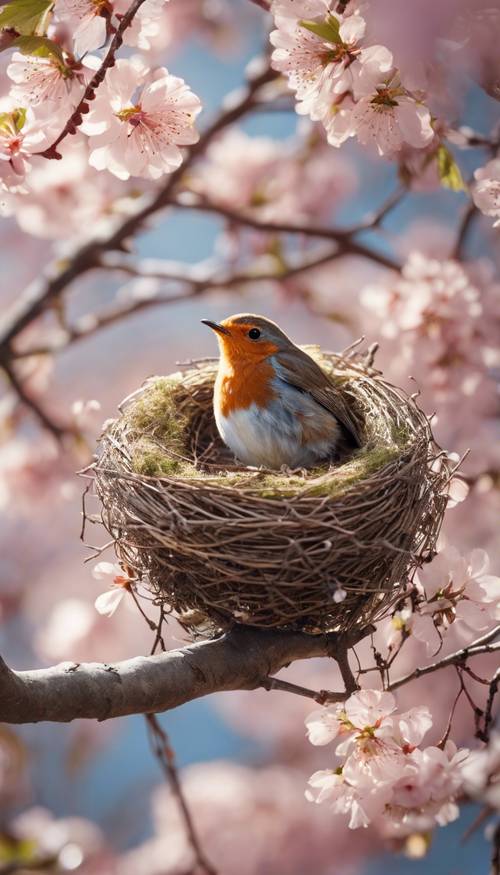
<point x="240" y="660"/>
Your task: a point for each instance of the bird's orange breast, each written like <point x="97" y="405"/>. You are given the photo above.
<point x="243" y="381"/>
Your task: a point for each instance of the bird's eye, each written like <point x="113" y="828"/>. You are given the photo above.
<point x="254" y="334"/>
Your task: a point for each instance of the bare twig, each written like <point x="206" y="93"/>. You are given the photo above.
<point x="342" y="237"/>
<point x="322" y="697"/>
<point x="164" y="753"/>
<point x="465" y="226"/>
<point x="485" y="644"/>
<point x="56" y="429"/>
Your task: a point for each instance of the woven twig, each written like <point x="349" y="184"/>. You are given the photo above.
<point x="275" y="558"/>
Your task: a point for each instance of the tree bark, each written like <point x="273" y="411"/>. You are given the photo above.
<point x="240" y="660"/>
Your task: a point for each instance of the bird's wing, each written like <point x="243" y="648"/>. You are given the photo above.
<point x="299" y="370"/>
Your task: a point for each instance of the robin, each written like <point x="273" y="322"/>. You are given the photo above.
<point x="273" y="405"/>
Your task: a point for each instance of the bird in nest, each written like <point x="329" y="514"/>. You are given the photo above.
<point x="273" y="405"/>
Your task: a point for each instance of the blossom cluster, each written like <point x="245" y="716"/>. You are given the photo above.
<point x="134" y="124"/>
<point x="439" y="319"/>
<point x="383" y="774"/>
<point x="451" y="590"/>
<point x="486" y="190"/>
<point x="343" y="80"/>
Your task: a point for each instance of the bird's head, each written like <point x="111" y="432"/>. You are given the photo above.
<point x="246" y="336"/>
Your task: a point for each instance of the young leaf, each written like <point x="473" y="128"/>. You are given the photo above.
<point x="448" y="169"/>
<point x="327" y="30"/>
<point x="40" y="46"/>
<point x="26" y="17"/>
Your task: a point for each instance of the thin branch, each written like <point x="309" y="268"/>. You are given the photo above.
<point x="82" y="107"/>
<point x="485" y="644"/>
<point x="322" y="697"/>
<point x="195" y="288"/>
<point x="471" y="213"/>
<point x="56" y="429"/>
<point x="342" y="237"/>
<point x="164" y="753"/>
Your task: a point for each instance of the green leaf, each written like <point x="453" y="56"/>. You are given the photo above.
<point x="327" y="30"/>
<point x="448" y="169"/>
<point x="26" y="17"/>
<point x="40" y="46"/>
<point x="12" y="122"/>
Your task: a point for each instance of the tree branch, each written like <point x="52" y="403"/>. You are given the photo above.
<point x="54" y="280"/>
<point x="82" y="107"/>
<point x="242" y="659"/>
<point x="344" y="238"/>
<point x="485" y="644"/>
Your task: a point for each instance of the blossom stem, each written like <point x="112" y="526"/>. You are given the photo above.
<point x="76" y="116"/>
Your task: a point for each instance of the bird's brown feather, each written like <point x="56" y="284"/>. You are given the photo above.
<point x="298" y="369"/>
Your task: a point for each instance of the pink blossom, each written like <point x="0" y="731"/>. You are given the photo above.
<point x="21" y="135"/>
<point x="486" y="190"/>
<point x="323" y="726"/>
<point x="428" y="789"/>
<point x="225" y="799"/>
<point x="369" y="708"/>
<point x="291" y="180"/>
<point x="139" y="120"/>
<point x="390" y="119"/>
<point x="480" y="773"/>
<point x="39" y="79"/>
<point x="384" y="775"/>
<point x="108" y="601"/>
<point x="440" y="317"/>
<point x="320" y="51"/>
<point x="458" y="589"/>
<point x="62" y="197"/>
<point x="146" y="25"/>
<point x="321" y="54"/>
<point x="87" y="22"/>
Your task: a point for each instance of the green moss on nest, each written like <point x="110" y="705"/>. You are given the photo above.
<point x="157" y="430"/>
<point x="156" y="433"/>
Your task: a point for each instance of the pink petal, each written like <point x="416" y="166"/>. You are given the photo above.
<point x="107" y="603"/>
<point x="104" y="569"/>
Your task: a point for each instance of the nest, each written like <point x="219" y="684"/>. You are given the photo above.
<point x="322" y="550"/>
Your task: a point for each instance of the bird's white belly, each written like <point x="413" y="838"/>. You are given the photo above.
<point x="273" y="436"/>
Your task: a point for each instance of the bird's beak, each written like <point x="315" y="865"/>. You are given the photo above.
<point x="215" y="326"/>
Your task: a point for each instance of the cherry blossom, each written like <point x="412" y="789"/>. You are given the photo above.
<point x="481" y="771"/>
<point x="320" y="52"/>
<point x="87" y="22"/>
<point x="139" y="120"/>
<point x="21" y="136"/>
<point x="294" y="179"/>
<point x="108" y="601"/>
<point x="486" y="190"/>
<point x="147" y="24"/>
<point x="440" y="317"/>
<point x="384" y="774"/>
<point x="38" y="79"/>
<point x="459" y="589"/>
<point x="391" y="118"/>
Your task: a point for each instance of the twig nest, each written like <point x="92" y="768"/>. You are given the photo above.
<point x="320" y="550"/>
